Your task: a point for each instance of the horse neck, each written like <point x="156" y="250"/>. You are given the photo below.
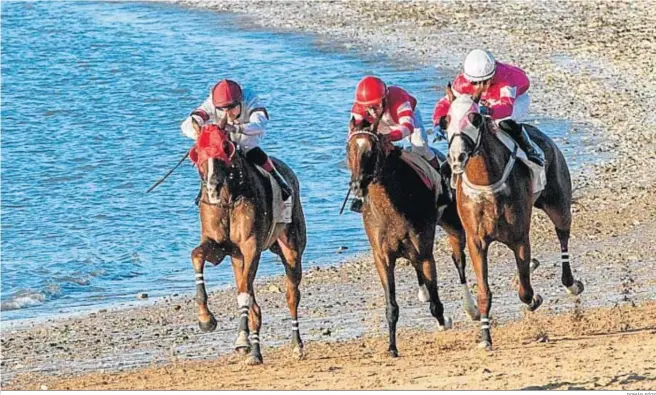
<point x="487" y="166"/>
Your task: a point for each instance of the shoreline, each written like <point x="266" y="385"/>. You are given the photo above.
<point x="614" y="213"/>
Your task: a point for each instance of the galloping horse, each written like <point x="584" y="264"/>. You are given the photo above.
<point x="496" y="200"/>
<point x="236" y="214"/>
<point x="399" y="216"/>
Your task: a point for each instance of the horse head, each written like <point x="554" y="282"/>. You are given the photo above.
<point x="464" y="128"/>
<point x="365" y="152"/>
<point x="213" y="155"/>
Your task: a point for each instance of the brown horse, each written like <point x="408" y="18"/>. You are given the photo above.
<point x="236" y="217"/>
<point x="399" y="216"/>
<point x="495" y="198"/>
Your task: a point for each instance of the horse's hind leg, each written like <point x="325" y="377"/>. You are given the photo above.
<point x="206" y="320"/>
<point x="562" y="220"/>
<point x="290" y="254"/>
<point x="385" y="266"/>
<point x="450" y="222"/>
<point x="523" y="258"/>
<point x="429" y="275"/>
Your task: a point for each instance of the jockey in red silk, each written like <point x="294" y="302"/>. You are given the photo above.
<point x="246" y="123"/>
<point x="504" y="99"/>
<point x="399" y="117"/>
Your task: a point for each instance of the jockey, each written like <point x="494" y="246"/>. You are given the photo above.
<point x="399" y="117"/>
<point x="246" y="122"/>
<point x="504" y="97"/>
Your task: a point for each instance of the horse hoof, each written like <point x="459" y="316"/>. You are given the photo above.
<point x="242" y="344"/>
<point x="534" y="264"/>
<point x="244" y="350"/>
<point x="298" y="352"/>
<point x="254" y="360"/>
<point x="535" y="303"/>
<point x="448" y="324"/>
<point x="485" y="345"/>
<point x="576" y="288"/>
<point x="208" y="326"/>
<point x="393" y="353"/>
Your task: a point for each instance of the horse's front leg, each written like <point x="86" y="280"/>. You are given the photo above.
<point x="522" y="252"/>
<point x="478" y="253"/>
<point x="245" y="269"/>
<point x="385" y="266"/>
<point x="456" y="236"/>
<point x="206" y="320"/>
<point x="429" y="274"/>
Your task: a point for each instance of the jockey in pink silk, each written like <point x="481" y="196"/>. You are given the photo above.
<point x="504" y="99"/>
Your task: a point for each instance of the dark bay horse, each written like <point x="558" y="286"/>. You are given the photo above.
<point x="236" y="217"/>
<point x="400" y="215"/>
<point x="495" y="198"/>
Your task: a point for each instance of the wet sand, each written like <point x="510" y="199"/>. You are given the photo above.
<point x="590" y="63"/>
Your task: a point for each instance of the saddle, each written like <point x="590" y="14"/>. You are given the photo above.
<point x="538" y="173"/>
<point x="428" y="175"/>
<point x="282" y="210"/>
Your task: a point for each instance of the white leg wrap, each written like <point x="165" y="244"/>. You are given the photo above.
<point x="294" y="325"/>
<point x="423" y="294"/>
<point x="244" y="299"/>
<point x="469" y="304"/>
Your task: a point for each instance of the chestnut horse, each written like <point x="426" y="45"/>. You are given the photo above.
<point x="399" y="216"/>
<point x="236" y="220"/>
<point x="496" y="204"/>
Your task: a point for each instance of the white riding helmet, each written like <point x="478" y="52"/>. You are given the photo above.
<point x="479" y="66"/>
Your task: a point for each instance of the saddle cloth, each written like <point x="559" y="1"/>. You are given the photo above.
<point x="282" y="210"/>
<point x="538" y="174"/>
<point x="431" y="177"/>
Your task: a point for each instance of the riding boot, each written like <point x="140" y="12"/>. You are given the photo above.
<point x="356" y="205"/>
<point x="285" y="189"/>
<point x="522" y="138"/>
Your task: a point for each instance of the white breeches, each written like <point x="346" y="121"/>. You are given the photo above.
<point x="245" y="142"/>
<point x="520" y="109"/>
<point x="419" y="138"/>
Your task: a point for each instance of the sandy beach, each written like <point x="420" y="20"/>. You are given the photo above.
<point x="591" y="63"/>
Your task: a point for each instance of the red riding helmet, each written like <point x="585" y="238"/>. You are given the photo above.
<point x="370" y="91"/>
<point x="226" y="93"/>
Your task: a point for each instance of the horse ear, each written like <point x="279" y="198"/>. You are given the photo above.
<point x="475" y="119"/>
<point x="449" y="93"/>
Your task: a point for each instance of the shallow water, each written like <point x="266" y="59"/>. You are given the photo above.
<point x="92" y="98"/>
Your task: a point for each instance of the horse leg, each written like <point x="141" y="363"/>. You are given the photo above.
<point x="450" y="222"/>
<point x="242" y="344"/>
<point x="429" y="274"/>
<point x="523" y="258"/>
<point x="254" y="313"/>
<point x="478" y="253"/>
<point x="423" y="295"/>
<point x="385" y="266"/>
<point x="206" y="320"/>
<point x="291" y="259"/>
<point x="563" y="223"/>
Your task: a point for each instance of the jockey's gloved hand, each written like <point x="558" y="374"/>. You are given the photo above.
<point x="232" y="129"/>
<point x="484" y="110"/>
